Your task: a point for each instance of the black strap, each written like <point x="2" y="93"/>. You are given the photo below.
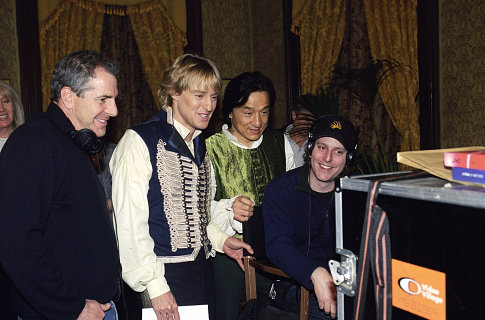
<point x="375" y="250"/>
<point x="380" y="260"/>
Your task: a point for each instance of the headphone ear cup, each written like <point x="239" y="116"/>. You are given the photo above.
<point x="309" y="148"/>
<point x="88" y="141"/>
<point x="350" y="155"/>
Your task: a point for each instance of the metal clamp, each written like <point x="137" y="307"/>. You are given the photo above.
<point x="344" y="273"/>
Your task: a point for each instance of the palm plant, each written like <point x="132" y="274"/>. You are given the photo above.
<point x="363" y="83"/>
<point x="325" y="101"/>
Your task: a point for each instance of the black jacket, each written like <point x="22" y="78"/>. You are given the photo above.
<point x="57" y="243"/>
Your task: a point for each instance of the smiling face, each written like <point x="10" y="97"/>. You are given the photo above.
<point x="327" y="163"/>
<point x="249" y="121"/>
<point x="96" y="105"/>
<point x="6" y="116"/>
<point x="193" y="108"/>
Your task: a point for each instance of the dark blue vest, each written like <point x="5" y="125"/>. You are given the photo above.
<point x="178" y="193"/>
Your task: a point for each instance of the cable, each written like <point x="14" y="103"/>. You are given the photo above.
<point x="325" y="216"/>
<point x="309" y="213"/>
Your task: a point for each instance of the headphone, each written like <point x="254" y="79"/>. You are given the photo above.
<point x="87" y="140"/>
<point x="350" y="155"/>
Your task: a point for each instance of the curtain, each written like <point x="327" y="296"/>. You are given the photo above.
<point x="135" y="101"/>
<point x="73" y="26"/>
<point x="392" y="28"/>
<point x="142" y="39"/>
<point x="321" y="27"/>
<point x="356" y="53"/>
<point x="159" y="41"/>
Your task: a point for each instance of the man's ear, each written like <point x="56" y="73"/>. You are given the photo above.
<point x="175" y="96"/>
<point x="293" y="115"/>
<point x="66" y="98"/>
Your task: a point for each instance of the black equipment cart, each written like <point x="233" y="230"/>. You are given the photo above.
<point x="427" y="259"/>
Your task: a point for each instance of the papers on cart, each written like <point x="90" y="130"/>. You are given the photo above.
<point x="432" y="161"/>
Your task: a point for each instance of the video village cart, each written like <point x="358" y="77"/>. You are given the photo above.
<point x="421" y="242"/>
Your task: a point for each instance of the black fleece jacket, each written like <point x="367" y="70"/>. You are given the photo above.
<point x="57" y="243"/>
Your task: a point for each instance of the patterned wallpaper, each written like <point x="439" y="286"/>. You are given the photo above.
<point x="246" y="36"/>
<point x="462" y="72"/>
<point x="227" y="35"/>
<point x="269" y="52"/>
<point x="9" y="55"/>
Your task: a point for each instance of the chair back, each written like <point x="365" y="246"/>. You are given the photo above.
<point x="253" y="233"/>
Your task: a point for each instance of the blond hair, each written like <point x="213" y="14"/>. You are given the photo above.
<point x="188" y="71"/>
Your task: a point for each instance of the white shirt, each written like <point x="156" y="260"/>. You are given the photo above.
<point x="294" y="153"/>
<point x="2" y="143"/>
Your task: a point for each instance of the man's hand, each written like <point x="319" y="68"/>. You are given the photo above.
<point x="165" y="307"/>
<point x="93" y="310"/>
<point x="325" y="291"/>
<point x="243" y="208"/>
<point x="234" y="248"/>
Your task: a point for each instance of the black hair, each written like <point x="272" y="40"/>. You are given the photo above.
<point x="302" y="104"/>
<point x="240" y="88"/>
<point x="76" y="69"/>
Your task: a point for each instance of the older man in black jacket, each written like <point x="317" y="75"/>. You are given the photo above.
<point x="56" y="240"/>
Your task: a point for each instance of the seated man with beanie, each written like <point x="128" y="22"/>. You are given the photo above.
<point x="299" y="215"/>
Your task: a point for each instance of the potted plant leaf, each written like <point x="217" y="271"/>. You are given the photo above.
<point x="312" y="106"/>
<point x="363" y="83"/>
